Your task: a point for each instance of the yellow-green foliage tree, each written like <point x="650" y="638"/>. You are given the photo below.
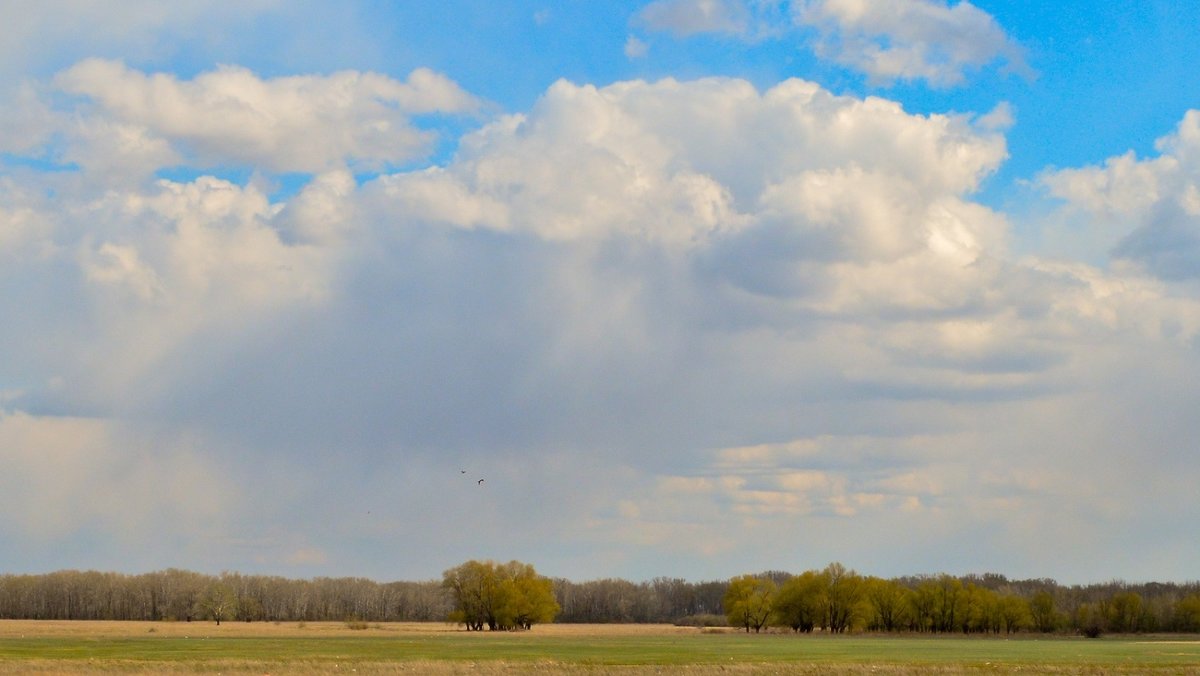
<point x="888" y="605"/>
<point x="499" y="596"/>
<point x="1014" y="614"/>
<point x="1187" y="613"/>
<point x="981" y="610"/>
<point x="1042" y="613"/>
<point x="800" y="602"/>
<point x="843" y="595"/>
<point x="531" y="597"/>
<point x="939" y="604"/>
<point x="1124" y="610"/>
<point x="748" y="602"/>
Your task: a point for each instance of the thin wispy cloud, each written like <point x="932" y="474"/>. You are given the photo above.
<point x="689" y="17"/>
<point x="930" y="41"/>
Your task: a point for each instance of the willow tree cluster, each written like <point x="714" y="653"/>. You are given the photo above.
<point x="499" y="596"/>
<point x="838" y="600"/>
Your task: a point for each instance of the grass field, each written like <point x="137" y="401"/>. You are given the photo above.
<point x="30" y="647"/>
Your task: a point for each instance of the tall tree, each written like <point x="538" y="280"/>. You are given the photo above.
<point x="748" y="602"/>
<point x="800" y="602"/>
<point x="1014" y="613"/>
<point x="1042" y="613"/>
<point x="218" y="602"/>
<point x="843" y="592"/>
<point x="888" y="603"/>
<point x="1187" y="614"/>
<point x="528" y="597"/>
<point x="949" y="601"/>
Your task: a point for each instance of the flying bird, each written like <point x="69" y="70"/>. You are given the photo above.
<point x="480" y="482"/>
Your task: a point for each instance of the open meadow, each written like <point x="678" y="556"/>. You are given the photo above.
<point x="80" y="647"/>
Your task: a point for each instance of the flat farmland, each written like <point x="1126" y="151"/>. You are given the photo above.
<point x="34" y="647"/>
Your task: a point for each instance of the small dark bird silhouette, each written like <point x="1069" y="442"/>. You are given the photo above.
<point x="480" y="482"/>
<point x="462" y="471"/>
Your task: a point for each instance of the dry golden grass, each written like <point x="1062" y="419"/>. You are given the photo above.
<point x="83" y="629"/>
<point x="111" y="629"/>
<point x="371" y="665"/>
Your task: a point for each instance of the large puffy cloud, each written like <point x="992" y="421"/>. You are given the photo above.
<point x="142" y="272"/>
<point x="843" y="224"/>
<point x="719" y="148"/>
<point x="908" y="39"/>
<point x="792" y="192"/>
<point x="1145" y="211"/>
<point x="145" y="267"/>
<point x="187" y="262"/>
<point x="231" y="116"/>
<point x="833" y="288"/>
<point x="770" y="311"/>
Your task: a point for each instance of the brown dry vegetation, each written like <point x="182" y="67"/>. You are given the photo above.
<point x="114" y="629"/>
<point x="104" y="630"/>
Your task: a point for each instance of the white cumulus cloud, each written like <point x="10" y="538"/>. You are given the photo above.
<point x="687" y="162"/>
<point x="304" y="123"/>
<point x="1142" y="211"/>
<point x="908" y="39"/>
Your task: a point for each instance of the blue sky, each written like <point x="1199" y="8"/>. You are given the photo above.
<point x="699" y="287"/>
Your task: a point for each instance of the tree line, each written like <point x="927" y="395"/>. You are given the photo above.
<point x="834" y="599"/>
<point x="183" y="595"/>
<point x="839" y="600"/>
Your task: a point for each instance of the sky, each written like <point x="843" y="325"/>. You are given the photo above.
<point x="697" y="288"/>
